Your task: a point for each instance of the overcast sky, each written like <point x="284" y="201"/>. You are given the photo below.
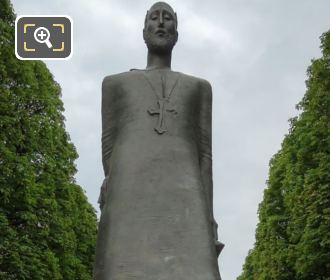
<point x="254" y="53"/>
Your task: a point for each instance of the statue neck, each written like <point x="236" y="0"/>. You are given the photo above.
<point x="159" y="61"/>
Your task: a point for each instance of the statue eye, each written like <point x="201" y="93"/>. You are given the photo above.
<point x="154" y="17"/>
<point x="167" y="16"/>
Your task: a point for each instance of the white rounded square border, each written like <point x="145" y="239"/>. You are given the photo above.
<point x="41" y="58"/>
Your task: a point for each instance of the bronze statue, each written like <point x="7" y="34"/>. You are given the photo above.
<point x="157" y="214"/>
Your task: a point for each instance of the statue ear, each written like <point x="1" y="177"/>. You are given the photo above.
<point x="177" y="36"/>
<point x="176" y="20"/>
<point x="145" y="19"/>
<point x="144" y="32"/>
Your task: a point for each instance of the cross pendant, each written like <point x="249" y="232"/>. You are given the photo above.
<point x="163" y="107"/>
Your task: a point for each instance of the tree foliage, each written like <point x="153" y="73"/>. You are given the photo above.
<point x="293" y="234"/>
<point x="47" y="227"/>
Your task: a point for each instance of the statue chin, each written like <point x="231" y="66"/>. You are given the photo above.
<point x="161" y="45"/>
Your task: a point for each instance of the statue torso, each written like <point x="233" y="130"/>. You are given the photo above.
<point x="155" y="220"/>
<point x="131" y="99"/>
<point x="134" y="98"/>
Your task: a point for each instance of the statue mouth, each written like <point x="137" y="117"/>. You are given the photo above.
<point x="161" y="32"/>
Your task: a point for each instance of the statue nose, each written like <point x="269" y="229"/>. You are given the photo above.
<point x="161" y="19"/>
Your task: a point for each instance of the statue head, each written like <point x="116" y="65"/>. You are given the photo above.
<point x="160" y="28"/>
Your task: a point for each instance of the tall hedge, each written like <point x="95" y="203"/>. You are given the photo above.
<point x="293" y="234"/>
<point x="47" y="226"/>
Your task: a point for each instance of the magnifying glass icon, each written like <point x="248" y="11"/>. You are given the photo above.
<point x="41" y="35"/>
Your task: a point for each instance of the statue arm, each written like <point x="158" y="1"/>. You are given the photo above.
<point x="108" y="129"/>
<point x="108" y="132"/>
<point x="205" y="147"/>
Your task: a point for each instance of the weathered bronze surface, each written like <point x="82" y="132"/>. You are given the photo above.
<point x="157" y="215"/>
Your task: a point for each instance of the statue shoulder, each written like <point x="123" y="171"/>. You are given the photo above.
<point x="111" y="81"/>
<point x="203" y="84"/>
<point x="206" y="87"/>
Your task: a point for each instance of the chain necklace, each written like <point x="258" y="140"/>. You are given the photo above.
<point x="163" y="103"/>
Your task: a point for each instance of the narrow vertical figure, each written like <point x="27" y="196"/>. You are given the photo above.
<point x="157" y="213"/>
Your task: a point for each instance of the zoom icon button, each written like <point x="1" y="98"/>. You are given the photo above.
<point x="43" y="37"/>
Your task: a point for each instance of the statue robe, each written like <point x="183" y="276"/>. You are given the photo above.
<point x="157" y="218"/>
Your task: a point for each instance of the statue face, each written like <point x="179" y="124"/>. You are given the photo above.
<point x="160" y="30"/>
